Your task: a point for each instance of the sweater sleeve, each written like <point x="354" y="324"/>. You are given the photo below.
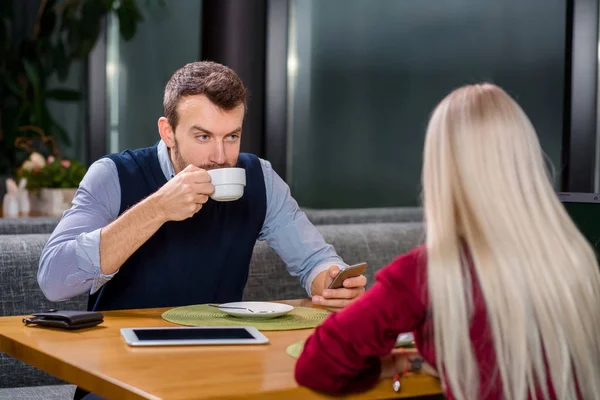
<point x="343" y="354"/>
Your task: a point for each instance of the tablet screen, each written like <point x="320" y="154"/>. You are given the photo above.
<point x="192" y="334"/>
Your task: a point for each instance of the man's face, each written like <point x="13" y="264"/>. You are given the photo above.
<point x="206" y="136"/>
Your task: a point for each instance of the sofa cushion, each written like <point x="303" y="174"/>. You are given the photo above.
<point x="19" y="261"/>
<point x="377" y="244"/>
<point x="20" y="294"/>
<point x="52" y="392"/>
<point x="22" y="226"/>
<point x="364" y="215"/>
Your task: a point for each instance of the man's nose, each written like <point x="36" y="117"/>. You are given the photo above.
<point x="218" y="156"/>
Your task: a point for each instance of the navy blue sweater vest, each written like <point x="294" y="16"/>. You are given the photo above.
<point x="199" y="260"/>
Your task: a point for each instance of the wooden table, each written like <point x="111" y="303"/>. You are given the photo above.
<point x="98" y="360"/>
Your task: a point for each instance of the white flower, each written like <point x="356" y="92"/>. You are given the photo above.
<point x="37" y="159"/>
<point x="27" y="165"/>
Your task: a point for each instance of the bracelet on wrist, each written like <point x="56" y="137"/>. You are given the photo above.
<point x="413" y="365"/>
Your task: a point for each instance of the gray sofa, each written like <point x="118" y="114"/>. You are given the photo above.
<point x="23" y="226"/>
<point x="336" y="216"/>
<point x="377" y="244"/>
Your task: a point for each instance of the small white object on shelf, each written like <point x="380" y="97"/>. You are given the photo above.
<point x="23" y="196"/>
<point x="10" y="203"/>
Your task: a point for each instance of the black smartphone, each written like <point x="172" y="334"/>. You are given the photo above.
<point x="348" y="272"/>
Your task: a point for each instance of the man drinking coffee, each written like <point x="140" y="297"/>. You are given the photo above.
<point x="144" y="232"/>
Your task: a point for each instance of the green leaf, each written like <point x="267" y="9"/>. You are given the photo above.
<point x="45" y="58"/>
<point x="92" y="14"/>
<point x="73" y="39"/>
<point x="67" y="17"/>
<point x="5" y="33"/>
<point x="63" y="95"/>
<point x="85" y="47"/>
<point x="32" y="75"/>
<point x="129" y="16"/>
<point x="38" y="101"/>
<point x="108" y="4"/>
<point x="48" y="20"/>
<point x="27" y="50"/>
<point x="61" y="62"/>
<point x="15" y="88"/>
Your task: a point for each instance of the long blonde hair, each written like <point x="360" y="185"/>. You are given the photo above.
<point x="486" y="189"/>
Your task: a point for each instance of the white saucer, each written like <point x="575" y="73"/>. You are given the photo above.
<point x="256" y="309"/>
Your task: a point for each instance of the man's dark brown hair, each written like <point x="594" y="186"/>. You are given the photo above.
<point x="217" y="82"/>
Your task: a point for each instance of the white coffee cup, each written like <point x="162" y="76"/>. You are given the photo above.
<point x="229" y="183"/>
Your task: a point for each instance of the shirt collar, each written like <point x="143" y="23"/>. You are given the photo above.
<point x="165" y="161"/>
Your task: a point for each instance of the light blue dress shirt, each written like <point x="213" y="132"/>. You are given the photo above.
<point x="70" y="261"/>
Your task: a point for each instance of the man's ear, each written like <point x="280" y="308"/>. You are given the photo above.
<point x="166" y="132"/>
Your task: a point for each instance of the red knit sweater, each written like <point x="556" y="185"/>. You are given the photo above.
<point x="343" y="355"/>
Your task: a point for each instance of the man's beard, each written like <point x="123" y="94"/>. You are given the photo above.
<point x="181" y="164"/>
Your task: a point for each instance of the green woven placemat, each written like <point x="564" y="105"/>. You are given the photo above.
<point x="204" y="315"/>
<point x="295" y="349"/>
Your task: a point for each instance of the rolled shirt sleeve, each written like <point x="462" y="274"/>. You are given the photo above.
<point x="293" y="237"/>
<point x="70" y="261"/>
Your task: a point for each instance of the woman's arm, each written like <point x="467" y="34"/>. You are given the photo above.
<point x="344" y="354"/>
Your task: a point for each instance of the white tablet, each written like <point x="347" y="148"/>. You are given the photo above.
<point x="181" y="336"/>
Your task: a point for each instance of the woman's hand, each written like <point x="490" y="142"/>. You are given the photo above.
<point x="401" y="358"/>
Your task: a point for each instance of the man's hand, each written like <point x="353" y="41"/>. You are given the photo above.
<point x="185" y="194"/>
<point x="178" y="199"/>
<point x="336" y="299"/>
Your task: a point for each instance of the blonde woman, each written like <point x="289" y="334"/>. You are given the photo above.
<point x="504" y="296"/>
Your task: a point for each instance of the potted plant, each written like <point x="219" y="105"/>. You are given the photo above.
<point x="51" y="181"/>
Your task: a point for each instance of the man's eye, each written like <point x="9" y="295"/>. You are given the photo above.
<point x="202" y="138"/>
<point x="233" y="138"/>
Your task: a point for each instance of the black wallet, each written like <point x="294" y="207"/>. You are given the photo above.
<point x="65" y="319"/>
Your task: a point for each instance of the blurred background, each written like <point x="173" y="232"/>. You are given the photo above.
<point x="340" y="90"/>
